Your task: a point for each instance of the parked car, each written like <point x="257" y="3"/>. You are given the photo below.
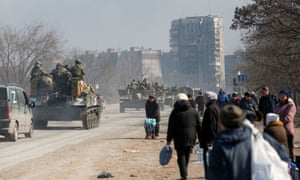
<point x="15" y="113"/>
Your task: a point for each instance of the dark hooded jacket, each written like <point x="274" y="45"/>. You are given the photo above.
<point x="152" y="110"/>
<point x="184" y="125"/>
<point x="230" y="158"/>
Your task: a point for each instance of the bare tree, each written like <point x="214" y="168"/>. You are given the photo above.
<point x="21" y="48"/>
<point x="271" y="38"/>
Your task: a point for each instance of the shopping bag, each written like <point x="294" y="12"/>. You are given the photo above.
<point x="266" y="163"/>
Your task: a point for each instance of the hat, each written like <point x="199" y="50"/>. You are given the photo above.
<point x="151" y="97"/>
<point x="286" y="92"/>
<point x="271" y="117"/>
<point x="165" y="155"/>
<point x="38" y="63"/>
<point x="234" y="94"/>
<point x="182" y="96"/>
<point x="265" y="88"/>
<point x="231" y="116"/>
<point x="247" y="94"/>
<point x="210" y="95"/>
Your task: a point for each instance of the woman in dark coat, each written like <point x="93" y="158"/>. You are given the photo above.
<point x="184" y="127"/>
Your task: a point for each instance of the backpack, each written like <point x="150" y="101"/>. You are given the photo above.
<point x="266" y="163"/>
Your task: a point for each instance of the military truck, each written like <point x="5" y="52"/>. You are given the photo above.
<point x="135" y="97"/>
<point x="78" y="102"/>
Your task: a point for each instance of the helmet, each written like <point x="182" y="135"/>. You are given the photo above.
<point x="77" y="61"/>
<point x="38" y="63"/>
<point x="59" y="65"/>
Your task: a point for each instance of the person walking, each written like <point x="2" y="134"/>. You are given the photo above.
<point x="152" y="111"/>
<point x="200" y="103"/>
<point x="248" y="105"/>
<point x="274" y="128"/>
<point x="191" y="100"/>
<point x="209" y="124"/>
<point x="266" y="103"/>
<point x="223" y="98"/>
<point x="286" y="109"/>
<point x="234" y="99"/>
<point x="231" y="154"/>
<point x="184" y="128"/>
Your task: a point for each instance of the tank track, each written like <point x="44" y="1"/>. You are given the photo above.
<point x="91" y="119"/>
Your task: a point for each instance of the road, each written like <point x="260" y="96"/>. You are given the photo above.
<point x="65" y="151"/>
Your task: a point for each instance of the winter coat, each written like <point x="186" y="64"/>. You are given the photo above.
<point x="152" y="110"/>
<point x="222" y="99"/>
<point x="277" y="131"/>
<point x="287" y="112"/>
<point x="184" y="125"/>
<point x="209" y="123"/>
<point x="267" y="104"/>
<point x="230" y="158"/>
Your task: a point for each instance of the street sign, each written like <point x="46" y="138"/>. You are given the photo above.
<point x="242" y="78"/>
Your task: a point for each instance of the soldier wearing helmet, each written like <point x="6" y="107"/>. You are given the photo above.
<point x="61" y="78"/>
<point x="38" y="71"/>
<point x="77" y="70"/>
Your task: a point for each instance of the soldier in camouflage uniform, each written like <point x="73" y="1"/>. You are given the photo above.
<point x="37" y="72"/>
<point x="61" y="78"/>
<point x="77" y="71"/>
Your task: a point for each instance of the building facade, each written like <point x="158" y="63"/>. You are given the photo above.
<point x="199" y="47"/>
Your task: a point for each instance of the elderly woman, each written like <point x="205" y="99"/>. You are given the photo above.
<point x="274" y="127"/>
<point x="286" y="109"/>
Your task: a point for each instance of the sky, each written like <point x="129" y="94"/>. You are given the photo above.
<point x="102" y="24"/>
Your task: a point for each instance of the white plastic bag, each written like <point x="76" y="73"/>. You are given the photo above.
<point x="266" y="163"/>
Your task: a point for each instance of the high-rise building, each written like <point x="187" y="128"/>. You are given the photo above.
<point x="199" y="48"/>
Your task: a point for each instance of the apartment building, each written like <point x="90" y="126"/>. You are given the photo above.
<point x="198" y="45"/>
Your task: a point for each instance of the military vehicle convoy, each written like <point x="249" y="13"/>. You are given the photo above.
<point x="75" y="101"/>
<point x="136" y="94"/>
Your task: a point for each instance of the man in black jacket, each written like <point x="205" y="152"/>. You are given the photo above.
<point x="184" y="127"/>
<point x="209" y="124"/>
<point x="152" y="111"/>
<point x="267" y="102"/>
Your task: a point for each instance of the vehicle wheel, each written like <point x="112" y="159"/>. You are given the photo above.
<point x="14" y="135"/>
<point x="29" y="134"/>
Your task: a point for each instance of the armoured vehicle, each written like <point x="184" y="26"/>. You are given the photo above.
<point x="135" y="96"/>
<point x="173" y="91"/>
<point x="76" y="101"/>
<point x="15" y="113"/>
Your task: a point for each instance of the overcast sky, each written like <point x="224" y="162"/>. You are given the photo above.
<point x="102" y="24"/>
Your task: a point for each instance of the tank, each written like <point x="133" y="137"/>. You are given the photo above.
<point x="135" y="96"/>
<point x="77" y="102"/>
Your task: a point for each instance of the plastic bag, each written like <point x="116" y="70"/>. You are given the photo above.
<point x="266" y="163"/>
<point x="165" y="155"/>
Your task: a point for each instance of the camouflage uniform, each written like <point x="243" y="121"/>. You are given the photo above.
<point x="77" y="70"/>
<point x="61" y="78"/>
<point x="37" y="71"/>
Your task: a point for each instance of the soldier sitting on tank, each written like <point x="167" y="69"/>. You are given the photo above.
<point x="77" y="71"/>
<point x="37" y="72"/>
<point x="61" y="78"/>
